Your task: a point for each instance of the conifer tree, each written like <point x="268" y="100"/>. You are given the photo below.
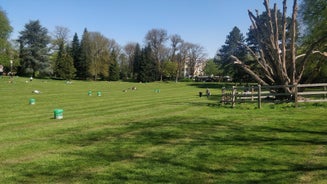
<point x="85" y="58"/>
<point x="136" y="61"/>
<point x="232" y="47"/>
<point x="113" y="67"/>
<point x="34" y="51"/>
<point x="65" y="67"/>
<point x="148" y="69"/>
<point x="76" y="55"/>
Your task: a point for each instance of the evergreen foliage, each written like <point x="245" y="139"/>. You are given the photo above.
<point x="113" y="67"/>
<point x="137" y="61"/>
<point x="76" y="55"/>
<point x="148" y="69"/>
<point x="85" y="58"/>
<point x="34" y="51"/>
<point x="233" y="46"/>
<point x="64" y="64"/>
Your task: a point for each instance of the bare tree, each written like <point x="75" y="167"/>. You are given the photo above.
<point x="176" y="43"/>
<point x="196" y="57"/>
<point x="156" y="39"/>
<point x="129" y="49"/>
<point x="276" y="55"/>
<point x="182" y="57"/>
<point x="60" y="36"/>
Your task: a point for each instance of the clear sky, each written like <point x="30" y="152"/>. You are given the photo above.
<point x="204" y="22"/>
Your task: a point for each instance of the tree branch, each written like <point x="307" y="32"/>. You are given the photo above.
<point x="307" y="54"/>
<point x="248" y="70"/>
<point x="262" y="62"/>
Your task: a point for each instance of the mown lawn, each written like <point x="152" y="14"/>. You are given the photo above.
<point x="159" y="133"/>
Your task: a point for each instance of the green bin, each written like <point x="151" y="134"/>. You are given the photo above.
<point x="32" y="101"/>
<point x="58" y="114"/>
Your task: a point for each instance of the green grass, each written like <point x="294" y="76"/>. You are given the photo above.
<point x="146" y="137"/>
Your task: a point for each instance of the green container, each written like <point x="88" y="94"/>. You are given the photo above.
<point x="58" y="114"/>
<point x="32" y="101"/>
<point x="99" y="93"/>
<point x="89" y="93"/>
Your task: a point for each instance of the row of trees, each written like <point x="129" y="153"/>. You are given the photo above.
<point x="274" y="51"/>
<point x="96" y="57"/>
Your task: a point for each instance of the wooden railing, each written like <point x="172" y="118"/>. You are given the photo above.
<point x="302" y="93"/>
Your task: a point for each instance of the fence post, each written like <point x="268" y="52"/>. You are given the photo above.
<point x="259" y="96"/>
<point x="325" y="89"/>
<point x="295" y="95"/>
<point x="252" y="92"/>
<point x="233" y="96"/>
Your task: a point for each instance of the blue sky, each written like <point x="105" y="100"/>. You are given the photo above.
<point x="204" y="22"/>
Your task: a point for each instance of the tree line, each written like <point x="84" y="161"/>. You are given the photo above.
<point x="277" y="49"/>
<point x="96" y="57"/>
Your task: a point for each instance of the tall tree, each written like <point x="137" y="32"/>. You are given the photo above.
<point x="99" y="54"/>
<point x="34" y="51"/>
<point x="176" y="54"/>
<point x="59" y="43"/>
<point x="65" y="67"/>
<point x="137" y="61"/>
<point x="182" y="57"/>
<point x="196" y="58"/>
<point x="5" y="30"/>
<point x="176" y="41"/>
<point x="148" y="69"/>
<point x="130" y="53"/>
<point x="124" y="66"/>
<point x="275" y="66"/>
<point x="314" y="17"/>
<point x="85" y="56"/>
<point x="113" y="67"/>
<point x="60" y="36"/>
<point x="76" y="55"/>
<point x="156" y="39"/>
<point x="232" y="47"/>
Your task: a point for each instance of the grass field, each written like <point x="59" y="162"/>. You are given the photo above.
<point x="159" y="133"/>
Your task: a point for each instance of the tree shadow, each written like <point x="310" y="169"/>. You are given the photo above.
<point x="185" y="150"/>
<point x="212" y="85"/>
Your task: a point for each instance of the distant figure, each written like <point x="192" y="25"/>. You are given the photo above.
<point x="31" y="78"/>
<point x="200" y="94"/>
<point x="208" y="93"/>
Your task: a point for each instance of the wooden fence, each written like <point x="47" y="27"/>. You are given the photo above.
<point x="302" y="93"/>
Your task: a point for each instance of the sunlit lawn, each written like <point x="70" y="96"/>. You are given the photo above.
<point x="159" y="133"/>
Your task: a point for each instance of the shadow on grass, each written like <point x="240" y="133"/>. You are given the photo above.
<point x="212" y="85"/>
<point x="184" y="150"/>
